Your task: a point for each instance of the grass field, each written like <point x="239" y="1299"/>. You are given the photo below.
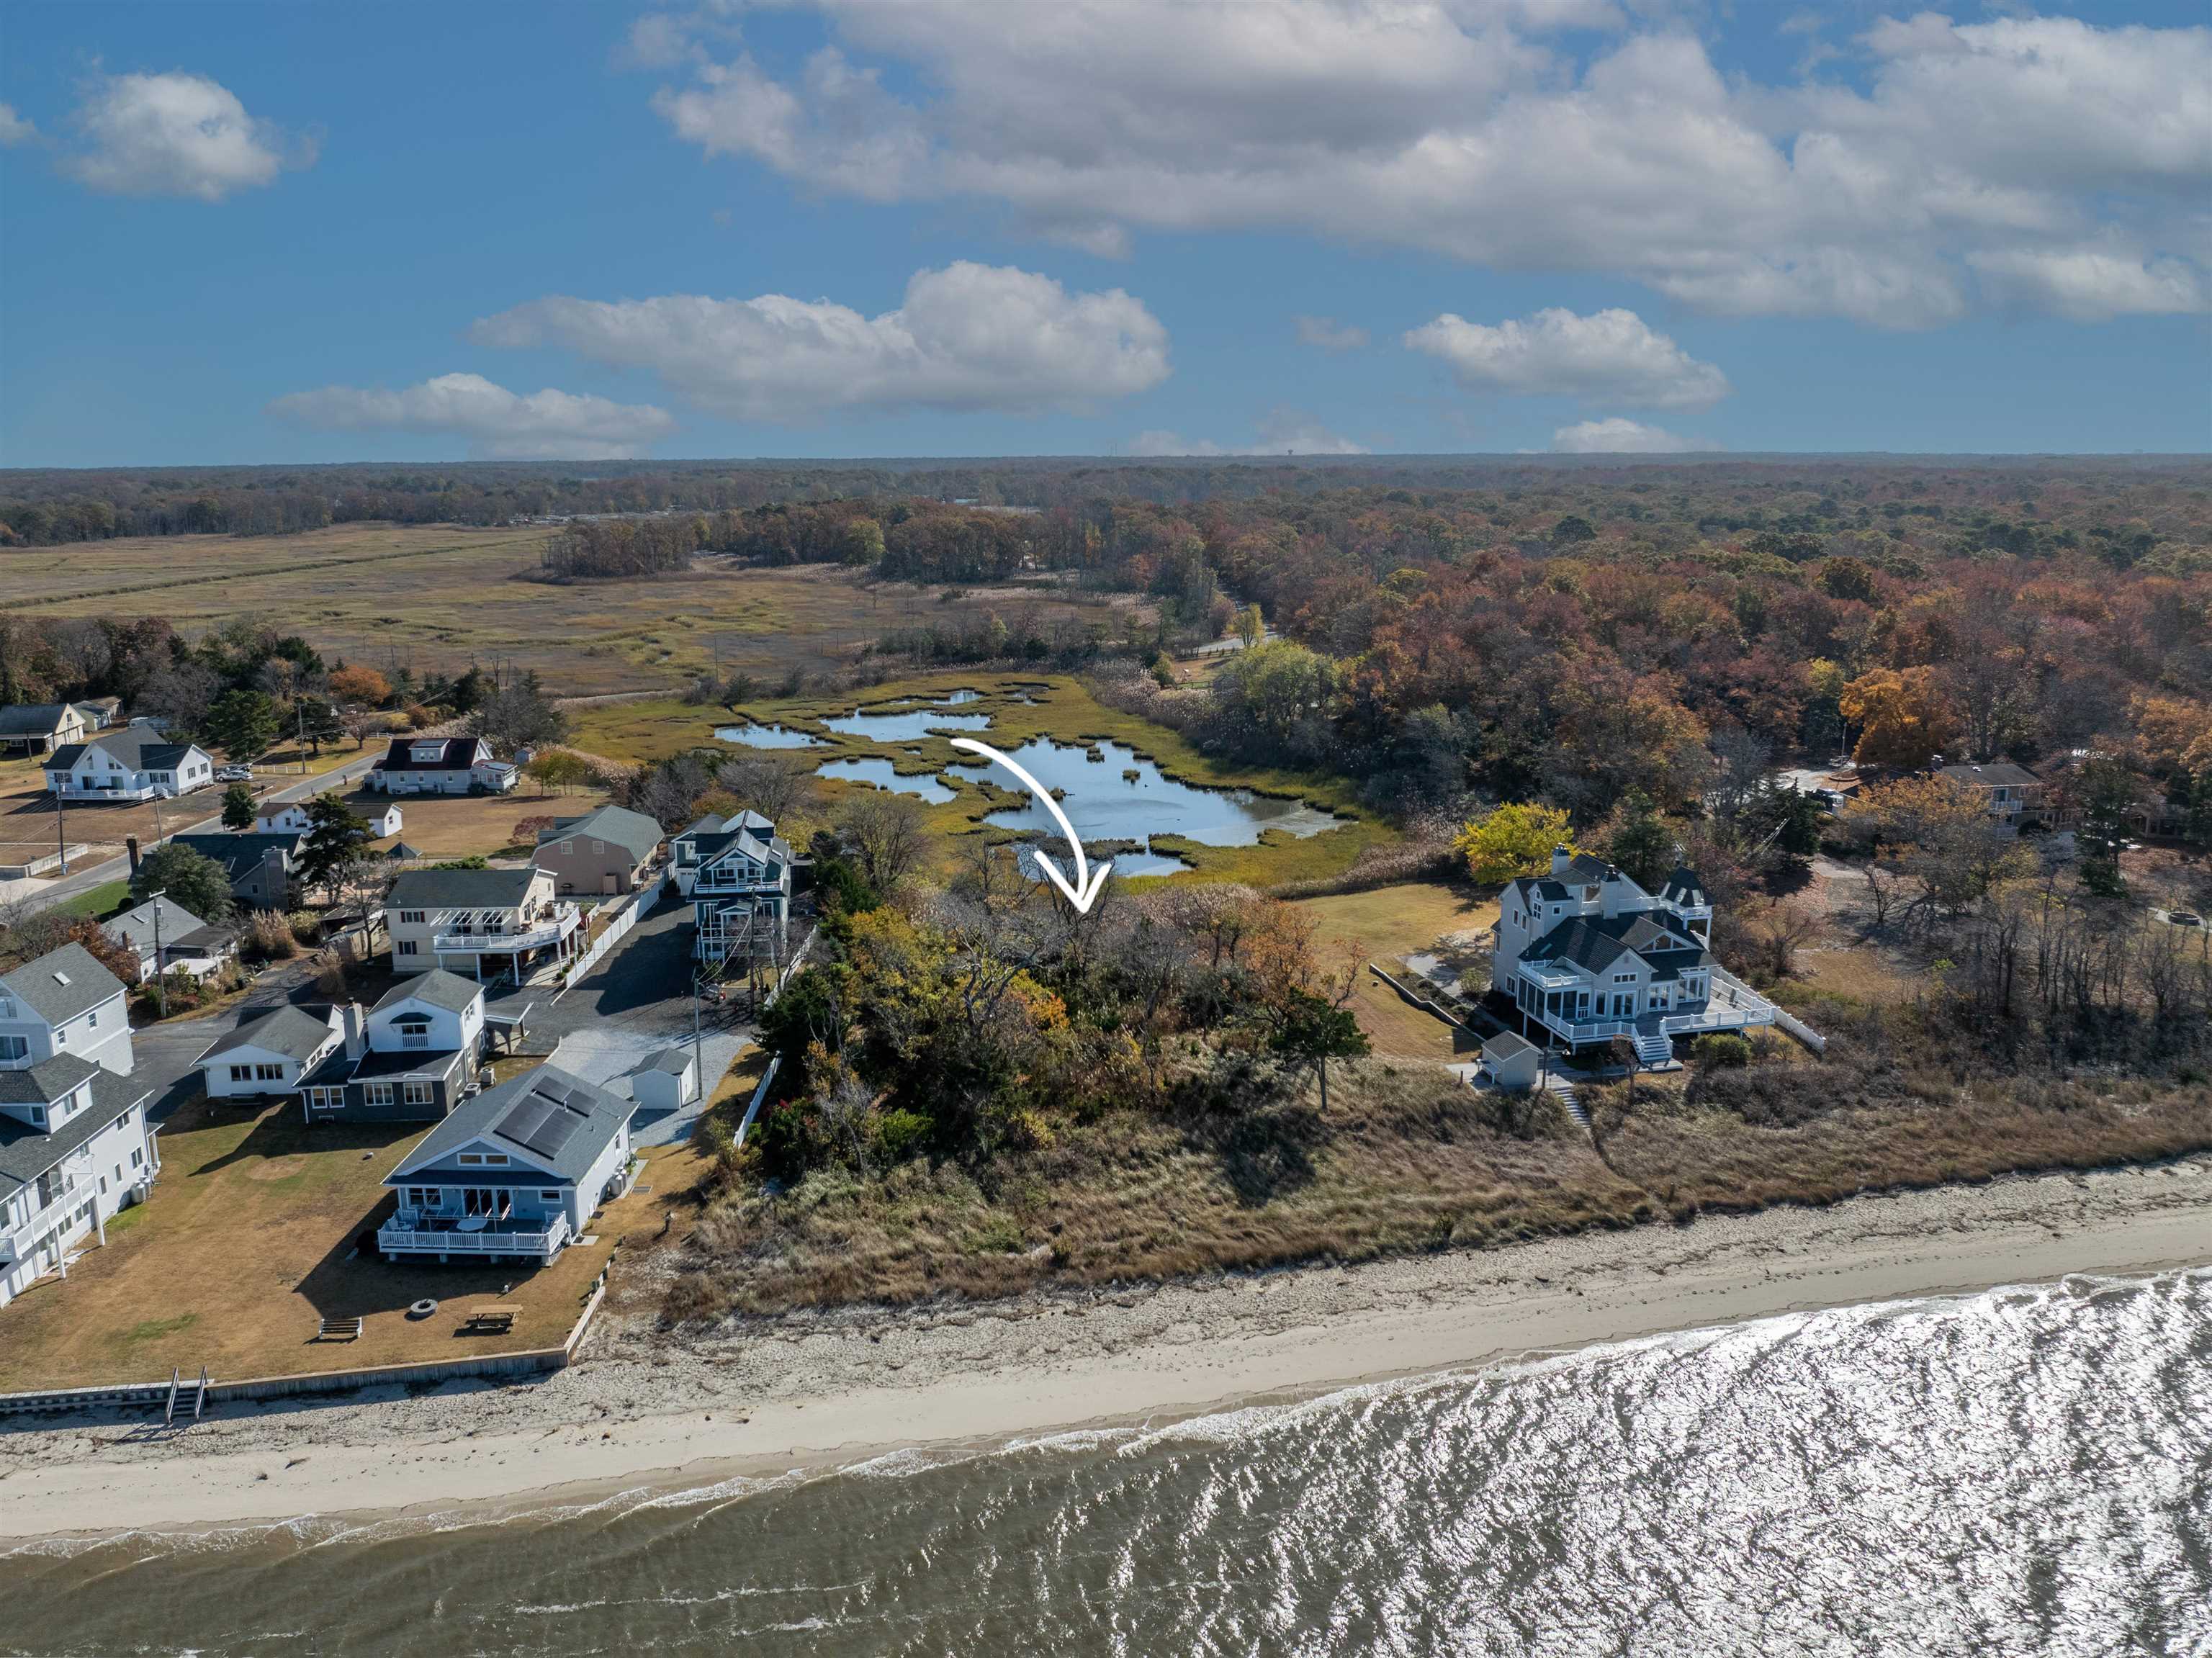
<point x="466" y="826"/>
<point x="248" y="1242"/>
<point x="1388" y="924"/>
<point x="436" y="598"/>
<point x="1057" y="707"/>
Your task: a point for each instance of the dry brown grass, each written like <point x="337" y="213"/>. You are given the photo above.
<point x="473" y="826"/>
<point x="1405" y="1160"/>
<point x="248" y="1242"/>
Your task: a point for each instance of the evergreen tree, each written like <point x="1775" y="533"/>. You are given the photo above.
<point x="336" y="842"/>
<point x="243" y="724"/>
<point x="188" y="879"/>
<point x="238" y="806"/>
<point x="1638" y="841"/>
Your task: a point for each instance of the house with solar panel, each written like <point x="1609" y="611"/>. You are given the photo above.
<point x="513" y="1174"/>
<point x="1587" y="955"/>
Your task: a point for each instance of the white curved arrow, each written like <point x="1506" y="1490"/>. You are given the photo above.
<point x="1083" y="892"/>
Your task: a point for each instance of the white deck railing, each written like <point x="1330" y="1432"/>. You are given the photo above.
<point x="392" y="1238"/>
<point x="503" y="943"/>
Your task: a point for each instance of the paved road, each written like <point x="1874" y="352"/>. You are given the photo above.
<point x="84" y="879"/>
<point x="635" y="1003"/>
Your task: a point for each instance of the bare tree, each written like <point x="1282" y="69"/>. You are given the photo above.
<point x="885" y="836"/>
<point x="774" y="785"/>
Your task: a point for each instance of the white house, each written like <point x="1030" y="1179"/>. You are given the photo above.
<point x="134" y="763"/>
<point x="515" y="1173"/>
<point x="736" y="873"/>
<point x="167" y="937"/>
<point x="75" y="1146"/>
<point x="440" y="765"/>
<point x="42" y="728"/>
<point x="489" y="922"/>
<point x="273" y="1053"/>
<point x="293" y="819"/>
<point x="415" y="1060"/>
<point x="1587" y="955"/>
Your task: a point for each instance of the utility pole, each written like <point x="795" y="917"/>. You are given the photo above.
<point x="61" y="832"/>
<point x="161" y="961"/>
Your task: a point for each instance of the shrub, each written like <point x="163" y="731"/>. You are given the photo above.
<point x="269" y="937"/>
<point x="420" y="717"/>
<point x="895" y="1136"/>
<point x="1719" y="1050"/>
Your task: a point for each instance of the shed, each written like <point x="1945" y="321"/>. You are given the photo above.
<point x="668" y="1081"/>
<point x="1512" y="1061"/>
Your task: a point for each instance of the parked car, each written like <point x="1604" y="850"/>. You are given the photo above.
<point x="234" y="774"/>
<point x="2185" y="918"/>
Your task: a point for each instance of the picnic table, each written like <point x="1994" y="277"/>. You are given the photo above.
<point x="496" y="1319"/>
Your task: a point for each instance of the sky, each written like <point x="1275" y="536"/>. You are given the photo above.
<point x="257" y="233"/>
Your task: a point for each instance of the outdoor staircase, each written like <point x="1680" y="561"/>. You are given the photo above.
<point x="1653" y="1046"/>
<point x="1566" y="1092"/>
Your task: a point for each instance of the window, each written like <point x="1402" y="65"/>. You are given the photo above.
<point x="406" y="946"/>
<point x="411" y="918"/>
<point x="377" y="1093"/>
<point x="241" y="1073"/>
<point x="92" y="1019"/>
<point x="120" y="1120"/>
<point x="137" y="1158"/>
<point x="549" y="1197"/>
<point x="269" y="1073"/>
<point x="1624" y="978"/>
<point x="14" y="1047"/>
<point x="417" y="1093"/>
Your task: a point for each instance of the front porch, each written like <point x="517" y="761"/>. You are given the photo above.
<point x="71" y="789"/>
<point x="1560" y="1007"/>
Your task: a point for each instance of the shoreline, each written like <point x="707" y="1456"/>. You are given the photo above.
<point x="811" y="1393"/>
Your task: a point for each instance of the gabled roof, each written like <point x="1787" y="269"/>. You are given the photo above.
<point x="556" y="1120"/>
<point x="62" y="984"/>
<point x="438" y="987"/>
<point x="1594" y="943"/>
<point x="1540" y="889"/>
<point x="32" y="719"/>
<point x="292" y="1031"/>
<point x="672" y="1061"/>
<point x="1584" y="867"/>
<point x="1506" y="1045"/>
<point x="1684" y="887"/>
<point x="26" y="1152"/>
<point x="46" y="1081"/>
<point x="713" y="849"/>
<point x="241" y="855"/>
<point x="462" y="888"/>
<point x="135" y="927"/>
<point x="1997" y="774"/>
<point x="454" y="754"/>
<point x="633" y="831"/>
<point x="1580" y="940"/>
<point x="139" y="747"/>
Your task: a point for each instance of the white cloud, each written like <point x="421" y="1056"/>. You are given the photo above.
<point x="969" y="337"/>
<point x="1281" y="431"/>
<point x="174" y="134"/>
<point x="499" y="424"/>
<point x="1610" y="356"/>
<point x="2091" y="283"/>
<point x="15" y="128"/>
<point x="1324" y="334"/>
<point x="1616" y="437"/>
<point x="1469" y="131"/>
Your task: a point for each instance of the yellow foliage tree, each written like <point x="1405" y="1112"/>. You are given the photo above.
<point x="1902" y="718"/>
<point x="1513" y="839"/>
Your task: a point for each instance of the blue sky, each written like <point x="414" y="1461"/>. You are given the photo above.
<point x="263" y="233"/>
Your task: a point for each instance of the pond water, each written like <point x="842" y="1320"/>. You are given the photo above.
<point x="882" y="775"/>
<point x="904" y="727"/>
<point x="766" y="737"/>
<point x="1104" y="804"/>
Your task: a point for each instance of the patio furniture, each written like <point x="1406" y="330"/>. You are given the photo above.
<point x="472" y="1223"/>
<point x="339" y="1329"/>
<point x="495" y="1320"/>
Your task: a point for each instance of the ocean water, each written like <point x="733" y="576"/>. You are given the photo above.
<point x="2025" y="1471"/>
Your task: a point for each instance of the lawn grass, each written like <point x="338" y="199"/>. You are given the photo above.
<point x="1386" y="924"/>
<point x="248" y="1242"/>
<point x="1057" y="707"/>
<point x="99" y="902"/>
<point x="446" y="826"/>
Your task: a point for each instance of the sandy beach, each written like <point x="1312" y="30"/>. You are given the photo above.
<point x="813" y="1392"/>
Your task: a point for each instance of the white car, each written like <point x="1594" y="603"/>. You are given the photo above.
<point x="234" y="774"/>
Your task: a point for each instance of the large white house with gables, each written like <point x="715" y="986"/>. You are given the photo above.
<point x="134" y="763"/>
<point x="440" y="765"/>
<point x="1587" y="955"/>
<point x="74" y="1144"/>
<point x="736" y="873"/>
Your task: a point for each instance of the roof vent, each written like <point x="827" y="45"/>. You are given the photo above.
<point x="60" y="977"/>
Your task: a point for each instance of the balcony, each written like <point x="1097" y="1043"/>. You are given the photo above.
<point x="508" y="941"/>
<point x="419" y="1234"/>
<point x="17" y="1240"/>
<point x="121" y="789"/>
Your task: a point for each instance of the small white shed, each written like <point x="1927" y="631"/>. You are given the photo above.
<point x="1510" y="1061"/>
<point x="668" y="1081"/>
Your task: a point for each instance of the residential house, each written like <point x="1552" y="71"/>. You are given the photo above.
<point x="440" y="765"/>
<point x="1587" y="955"/>
<point x="2008" y="793"/>
<point x="263" y="868"/>
<point x="167" y="937"/>
<point x="515" y="1172"/>
<point x="413" y="1061"/>
<point x="489" y="922"/>
<point x="736" y="873"/>
<point x="604" y="851"/>
<point x="274" y="1053"/>
<point x="294" y="818"/>
<point x="42" y="728"/>
<point x="134" y="763"/>
<point x="75" y="1146"/>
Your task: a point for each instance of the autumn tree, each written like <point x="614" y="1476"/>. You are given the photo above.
<point x="1511" y="840"/>
<point x="1902" y="718"/>
<point x="361" y="686"/>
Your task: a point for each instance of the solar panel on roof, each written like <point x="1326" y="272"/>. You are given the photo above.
<point x="553" y="1134"/>
<point x="525" y="1118"/>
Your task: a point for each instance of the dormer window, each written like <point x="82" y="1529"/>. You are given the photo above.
<point x="424" y="754"/>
